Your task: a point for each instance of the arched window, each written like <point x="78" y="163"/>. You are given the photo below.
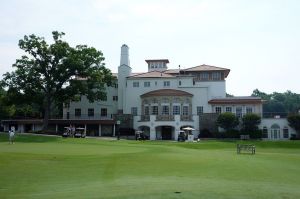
<point x="275" y="131"/>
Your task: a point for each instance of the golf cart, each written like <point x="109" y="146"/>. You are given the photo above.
<point x="139" y="135"/>
<point x="67" y="132"/>
<point x="181" y="136"/>
<point x="79" y="133"/>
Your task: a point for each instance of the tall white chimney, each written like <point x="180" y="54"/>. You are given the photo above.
<point x="124" y="55"/>
<point x="124" y="70"/>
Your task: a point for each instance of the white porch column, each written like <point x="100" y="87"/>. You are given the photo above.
<point x="152" y="133"/>
<point x="176" y="133"/>
<point x="56" y="128"/>
<point x="33" y="127"/>
<point x="100" y="130"/>
<point x="85" y="129"/>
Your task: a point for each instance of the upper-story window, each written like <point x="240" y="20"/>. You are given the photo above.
<point x="165" y="110"/>
<point x="199" y="110"/>
<point x="90" y="112"/>
<point x="136" y="84"/>
<point x="179" y="83"/>
<point x="154" y="110"/>
<point x="77" y="112"/>
<point x="134" y="111"/>
<point x="166" y="83"/>
<point x="103" y="112"/>
<point x="176" y="110"/>
<point x="204" y="76"/>
<point x="218" y="109"/>
<point x="185" y="110"/>
<point x="146" y="110"/>
<point x="216" y="76"/>
<point x="115" y="98"/>
<point x="228" y="109"/>
<point x="146" y="84"/>
<point x="248" y="110"/>
<point x="165" y="100"/>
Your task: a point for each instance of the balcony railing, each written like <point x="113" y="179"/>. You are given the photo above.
<point x="165" y="118"/>
<point x="145" y="118"/>
<point x="88" y="117"/>
<point x="186" y="118"/>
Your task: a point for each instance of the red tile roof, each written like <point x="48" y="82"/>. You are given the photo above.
<point x="151" y="74"/>
<point x="205" y="67"/>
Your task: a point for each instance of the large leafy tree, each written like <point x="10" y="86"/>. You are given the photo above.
<point x="50" y="74"/>
<point x="227" y="121"/>
<point x="250" y="122"/>
<point x="294" y="122"/>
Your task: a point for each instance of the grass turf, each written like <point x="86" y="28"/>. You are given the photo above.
<point x="53" y="167"/>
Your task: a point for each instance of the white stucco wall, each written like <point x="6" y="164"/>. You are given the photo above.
<point x="282" y="122"/>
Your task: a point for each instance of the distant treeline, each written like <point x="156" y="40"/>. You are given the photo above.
<point x="279" y="103"/>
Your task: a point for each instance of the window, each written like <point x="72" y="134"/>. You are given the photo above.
<point x="90" y="112"/>
<point x="185" y="110"/>
<point x="134" y="111"/>
<point x="115" y="98"/>
<point x="248" y="109"/>
<point x="204" y="76"/>
<point x="179" y="83"/>
<point x="176" y="110"/>
<point x="154" y="110"/>
<point x="216" y="76"/>
<point x="77" y="112"/>
<point x="146" y="110"/>
<point x="136" y="84"/>
<point x="265" y="132"/>
<point x="199" y="110"/>
<point x="228" y="109"/>
<point x="165" y="110"/>
<point x="218" y="109"/>
<point x="239" y="112"/>
<point x="103" y="112"/>
<point x="165" y="100"/>
<point x="155" y="83"/>
<point x="285" y="132"/>
<point x="166" y="83"/>
<point x="67" y="105"/>
<point x="146" y="84"/>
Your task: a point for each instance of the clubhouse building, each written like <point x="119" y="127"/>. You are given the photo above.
<point x="160" y="102"/>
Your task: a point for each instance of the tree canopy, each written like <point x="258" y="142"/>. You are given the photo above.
<point x="227" y="121"/>
<point x="50" y="74"/>
<point x="250" y="122"/>
<point x="294" y="122"/>
<point x="279" y="103"/>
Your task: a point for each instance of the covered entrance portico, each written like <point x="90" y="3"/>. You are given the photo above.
<point x="165" y="132"/>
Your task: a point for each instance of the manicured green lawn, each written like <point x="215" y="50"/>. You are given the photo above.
<point x="52" y="167"/>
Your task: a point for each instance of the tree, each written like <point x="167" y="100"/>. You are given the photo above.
<point x="250" y="122"/>
<point x="227" y="121"/>
<point x="294" y="122"/>
<point x="54" y="73"/>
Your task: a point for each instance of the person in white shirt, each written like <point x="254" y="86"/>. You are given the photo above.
<point x="11" y="134"/>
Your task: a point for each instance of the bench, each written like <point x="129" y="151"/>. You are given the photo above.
<point x="245" y="147"/>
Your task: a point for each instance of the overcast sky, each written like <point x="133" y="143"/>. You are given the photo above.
<point x="259" y="40"/>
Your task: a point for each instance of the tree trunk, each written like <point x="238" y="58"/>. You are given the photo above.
<point x="47" y="114"/>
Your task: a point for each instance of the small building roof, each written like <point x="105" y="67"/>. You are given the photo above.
<point x="205" y="67"/>
<point x="157" y="60"/>
<point x="236" y="100"/>
<point x="167" y="92"/>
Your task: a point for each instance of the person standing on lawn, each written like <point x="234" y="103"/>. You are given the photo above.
<point x="11" y="135"/>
